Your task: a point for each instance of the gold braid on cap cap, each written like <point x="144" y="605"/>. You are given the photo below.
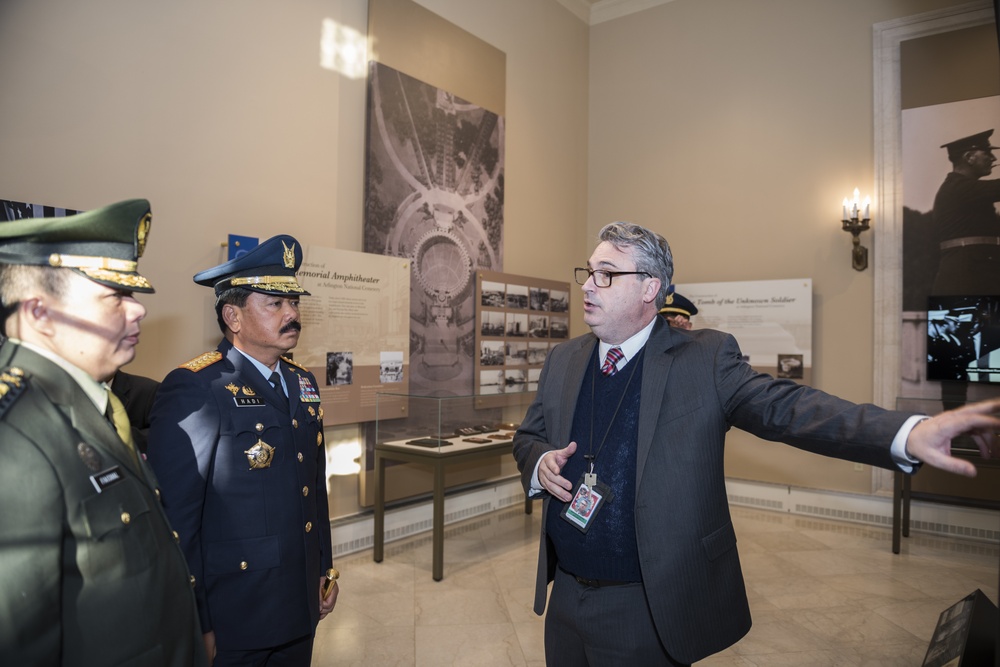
<point x="118" y="271"/>
<point x="132" y="280"/>
<point x="84" y="262"/>
<point x="275" y="283"/>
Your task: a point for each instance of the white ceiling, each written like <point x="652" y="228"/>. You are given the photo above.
<point x="593" y="12"/>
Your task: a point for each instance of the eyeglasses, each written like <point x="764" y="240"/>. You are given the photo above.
<point x="601" y="277"/>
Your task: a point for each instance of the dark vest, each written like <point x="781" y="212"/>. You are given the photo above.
<point x="608" y="550"/>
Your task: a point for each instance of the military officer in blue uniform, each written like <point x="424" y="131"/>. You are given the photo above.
<point x="236" y="439"/>
<point x="678" y="310"/>
<point x="90" y="571"/>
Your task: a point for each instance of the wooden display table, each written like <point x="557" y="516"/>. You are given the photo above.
<point x="437" y="459"/>
<point x="936" y="486"/>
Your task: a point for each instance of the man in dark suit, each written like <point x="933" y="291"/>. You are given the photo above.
<point x="90" y="571"/>
<point x="636" y="412"/>
<point x="136" y="394"/>
<point x="237" y="442"/>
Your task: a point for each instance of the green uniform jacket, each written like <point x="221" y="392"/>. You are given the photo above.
<point x="90" y="572"/>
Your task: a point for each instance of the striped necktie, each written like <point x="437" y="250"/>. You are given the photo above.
<point x="610" y="366"/>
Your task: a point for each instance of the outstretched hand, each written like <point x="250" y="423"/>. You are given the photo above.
<point x="550" y="469"/>
<point x="930" y="440"/>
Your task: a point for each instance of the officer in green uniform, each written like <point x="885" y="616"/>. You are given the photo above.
<point x="90" y="571"/>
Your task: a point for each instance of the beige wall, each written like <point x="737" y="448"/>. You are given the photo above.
<point x="220" y="114"/>
<point x="734" y="128"/>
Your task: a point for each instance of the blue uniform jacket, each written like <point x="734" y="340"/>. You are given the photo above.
<point x="256" y="534"/>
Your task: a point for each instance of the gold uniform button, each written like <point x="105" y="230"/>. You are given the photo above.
<point x="319" y="439"/>
<point x="126" y="518"/>
<point x="300" y="457"/>
<point x="157" y="491"/>
<point x="177" y="538"/>
<point x="305" y="490"/>
<point x="192" y="581"/>
<point x="309" y="526"/>
<point x="259" y="427"/>
<point x="295" y="423"/>
<point x="243" y="565"/>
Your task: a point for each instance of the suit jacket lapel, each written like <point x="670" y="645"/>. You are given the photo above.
<point x="655" y="369"/>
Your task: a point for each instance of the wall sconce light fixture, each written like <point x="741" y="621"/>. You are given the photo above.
<point x="855" y="220"/>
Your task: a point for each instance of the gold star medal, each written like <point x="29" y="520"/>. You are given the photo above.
<point x="260" y="455"/>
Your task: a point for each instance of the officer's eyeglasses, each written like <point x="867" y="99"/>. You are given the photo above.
<point x="603" y="278"/>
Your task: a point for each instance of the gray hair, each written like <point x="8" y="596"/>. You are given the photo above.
<point x="650" y="251"/>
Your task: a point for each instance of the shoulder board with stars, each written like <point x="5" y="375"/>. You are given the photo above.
<point x="292" y="362"/>
<point x="13" y="382"/>
<point x="202" y="361"/>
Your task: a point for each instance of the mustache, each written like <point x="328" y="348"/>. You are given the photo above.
<point x="294" y="325"/>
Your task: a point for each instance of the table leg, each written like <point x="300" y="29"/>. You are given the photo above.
<point x="907" y="480"/>
<point x="897" y="493"/>
<point x="378" y="542"/>
<point x="438" y="521"/>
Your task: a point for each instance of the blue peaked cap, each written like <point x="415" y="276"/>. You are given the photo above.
<point x="269" y="269"/>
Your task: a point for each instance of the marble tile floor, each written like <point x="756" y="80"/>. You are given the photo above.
<point x="822" y="593"/>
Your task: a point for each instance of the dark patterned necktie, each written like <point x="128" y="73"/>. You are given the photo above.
<point x="275" y="381"/>
<point x="610" y="366"/>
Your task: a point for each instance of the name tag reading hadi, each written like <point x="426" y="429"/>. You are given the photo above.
<point x="248" y="401"/>
<point x="106" y="478"/>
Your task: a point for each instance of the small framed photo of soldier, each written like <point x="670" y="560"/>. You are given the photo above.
<point x="790" y="366"/>
<point x="339" y="368"/>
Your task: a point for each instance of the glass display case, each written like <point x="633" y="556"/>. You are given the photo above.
<point x="447" y="424"/>
<point x="437" y="432"/>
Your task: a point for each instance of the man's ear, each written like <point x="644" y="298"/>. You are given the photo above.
<point x="652" y="289"/>
<point x="34" y="313"/>
<point x="231" y="316"/>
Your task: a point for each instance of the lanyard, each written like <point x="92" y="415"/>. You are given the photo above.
<point x="590" y="458"/>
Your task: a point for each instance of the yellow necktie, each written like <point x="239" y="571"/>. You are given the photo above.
<point x="120" y="419"/>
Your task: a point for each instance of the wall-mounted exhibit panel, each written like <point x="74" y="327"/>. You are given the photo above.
<point x="518" y="321"/>
<point x="355" y="329"/>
